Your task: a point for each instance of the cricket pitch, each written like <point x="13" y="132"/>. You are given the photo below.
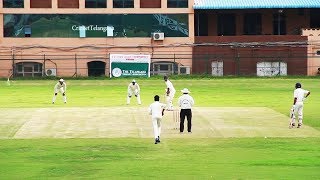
<point x="134" y="122"/>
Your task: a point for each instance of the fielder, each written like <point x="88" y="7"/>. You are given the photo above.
<point x="156" y="110"/>
<point x="61" y="87"/>
<point x="170" y="91"/>
<point x="133" y="88"/>
<point x="299" y="95"/>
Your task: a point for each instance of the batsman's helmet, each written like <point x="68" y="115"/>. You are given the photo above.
<point x="298" y="85"/>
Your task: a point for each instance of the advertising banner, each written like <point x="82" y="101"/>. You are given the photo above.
<point x="129" y="65"/>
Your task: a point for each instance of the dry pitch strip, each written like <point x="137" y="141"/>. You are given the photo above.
<point x="134" y="122"/>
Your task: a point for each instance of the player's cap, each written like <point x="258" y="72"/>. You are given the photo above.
<point x="61" y="80"/>
<point x="185" y="91"/>
<point x="134" y="80"/>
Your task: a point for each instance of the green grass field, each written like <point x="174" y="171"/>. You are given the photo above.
<point x="99" y="137"/>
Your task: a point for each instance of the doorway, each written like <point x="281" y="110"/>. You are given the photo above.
<point x="96" y="68"/>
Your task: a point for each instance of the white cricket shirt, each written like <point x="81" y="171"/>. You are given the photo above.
<point x="185" y="101"/>
<point x="155" y="109"/>
<point x="132" y="87"/>
<point x="170" y="86"/>
<point x="59" y="86"/>
<point x="299" y="94"/>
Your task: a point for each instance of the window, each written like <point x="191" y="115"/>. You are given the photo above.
<point x="96" y="3"/>
<point x="150" y="3"/>
<point x="40" y="4"/>
<point x="177" y="4"/>
<point x="162" y="68"/>
<point x="13" y="4"/>
<point x="226" y="25"/>
<point x="314" y="18"/>
<point x="95" y="25"/>
<point x="123" y="3"/>
<point x="28" y="69"/>
<point x="252" y="24"/>
<point x="279" y="24"/>
<point x="300" y="12"/>
<point x="318" y="53"/>
<point x="201" y="23"/>
<point x="68" y="4"/>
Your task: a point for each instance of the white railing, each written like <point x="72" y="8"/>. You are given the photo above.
<point x="311" y="32"/>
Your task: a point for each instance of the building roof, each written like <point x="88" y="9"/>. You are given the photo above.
<point x="255" y="4"/>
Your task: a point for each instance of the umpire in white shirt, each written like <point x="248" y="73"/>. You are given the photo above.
<point x="185" y="103"/>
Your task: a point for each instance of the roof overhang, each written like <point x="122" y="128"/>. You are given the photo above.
<point x="255" y="4"/>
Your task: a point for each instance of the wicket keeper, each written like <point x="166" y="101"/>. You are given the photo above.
<point x="133" y="89"/>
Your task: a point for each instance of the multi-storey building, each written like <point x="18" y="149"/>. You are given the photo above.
<point x="75" y="37"/>
<point x="247" y="37"/>
<point x="222" y="37"/>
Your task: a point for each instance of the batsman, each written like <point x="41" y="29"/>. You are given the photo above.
<point x="133" y="89"/>
<point x="299" y="95"/>
<point x="170" y="91"/>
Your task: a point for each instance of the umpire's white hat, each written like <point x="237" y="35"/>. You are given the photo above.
<point x="134" y="80"/>
<point x="185" y="91"/>
<point x="61" y="80"/>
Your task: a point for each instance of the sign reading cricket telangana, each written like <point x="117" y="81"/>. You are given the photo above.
<point x="129" y="65"/>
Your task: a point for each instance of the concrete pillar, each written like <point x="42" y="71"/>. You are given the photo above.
<point x="109" y="3"/>
<point x="1" y="29"/>
<point x="82" y="4"/>
<point x="164" y="4"/>
<point x="54" y="4"/>
<point x="26" y="4"/>
<point x="136" y="4"/>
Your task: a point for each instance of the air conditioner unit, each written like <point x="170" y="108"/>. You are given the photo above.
<point x="51" y="72"/>
<point x="184" y="70"/>
<point x="158" y="36"/>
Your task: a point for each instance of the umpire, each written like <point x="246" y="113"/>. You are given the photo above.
<point x="185" y="103"/>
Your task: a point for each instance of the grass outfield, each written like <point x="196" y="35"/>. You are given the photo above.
<point x="133" y="157"/>
<point x="238" y="158"/>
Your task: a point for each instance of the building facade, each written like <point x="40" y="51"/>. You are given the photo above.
<point x="256" y="37"/>
<point x="218" y="37"/>
<point x="76" y="37"/>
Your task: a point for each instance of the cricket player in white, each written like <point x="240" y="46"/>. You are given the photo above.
<point x="156" y="110"/>
<point x="170" y="91"/>
<point x="133" y="88"/>
<point x="185" y="103"/>
<point x="299" y="96"/>
<point x="62" y="88"/>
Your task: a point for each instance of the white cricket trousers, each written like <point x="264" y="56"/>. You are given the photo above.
<point x="298" y="110"/>
<point x="61" y="91"/>
<point x="156" y="123"/>
<point x="136" y="93"/>
<point x="169" y="100"/>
